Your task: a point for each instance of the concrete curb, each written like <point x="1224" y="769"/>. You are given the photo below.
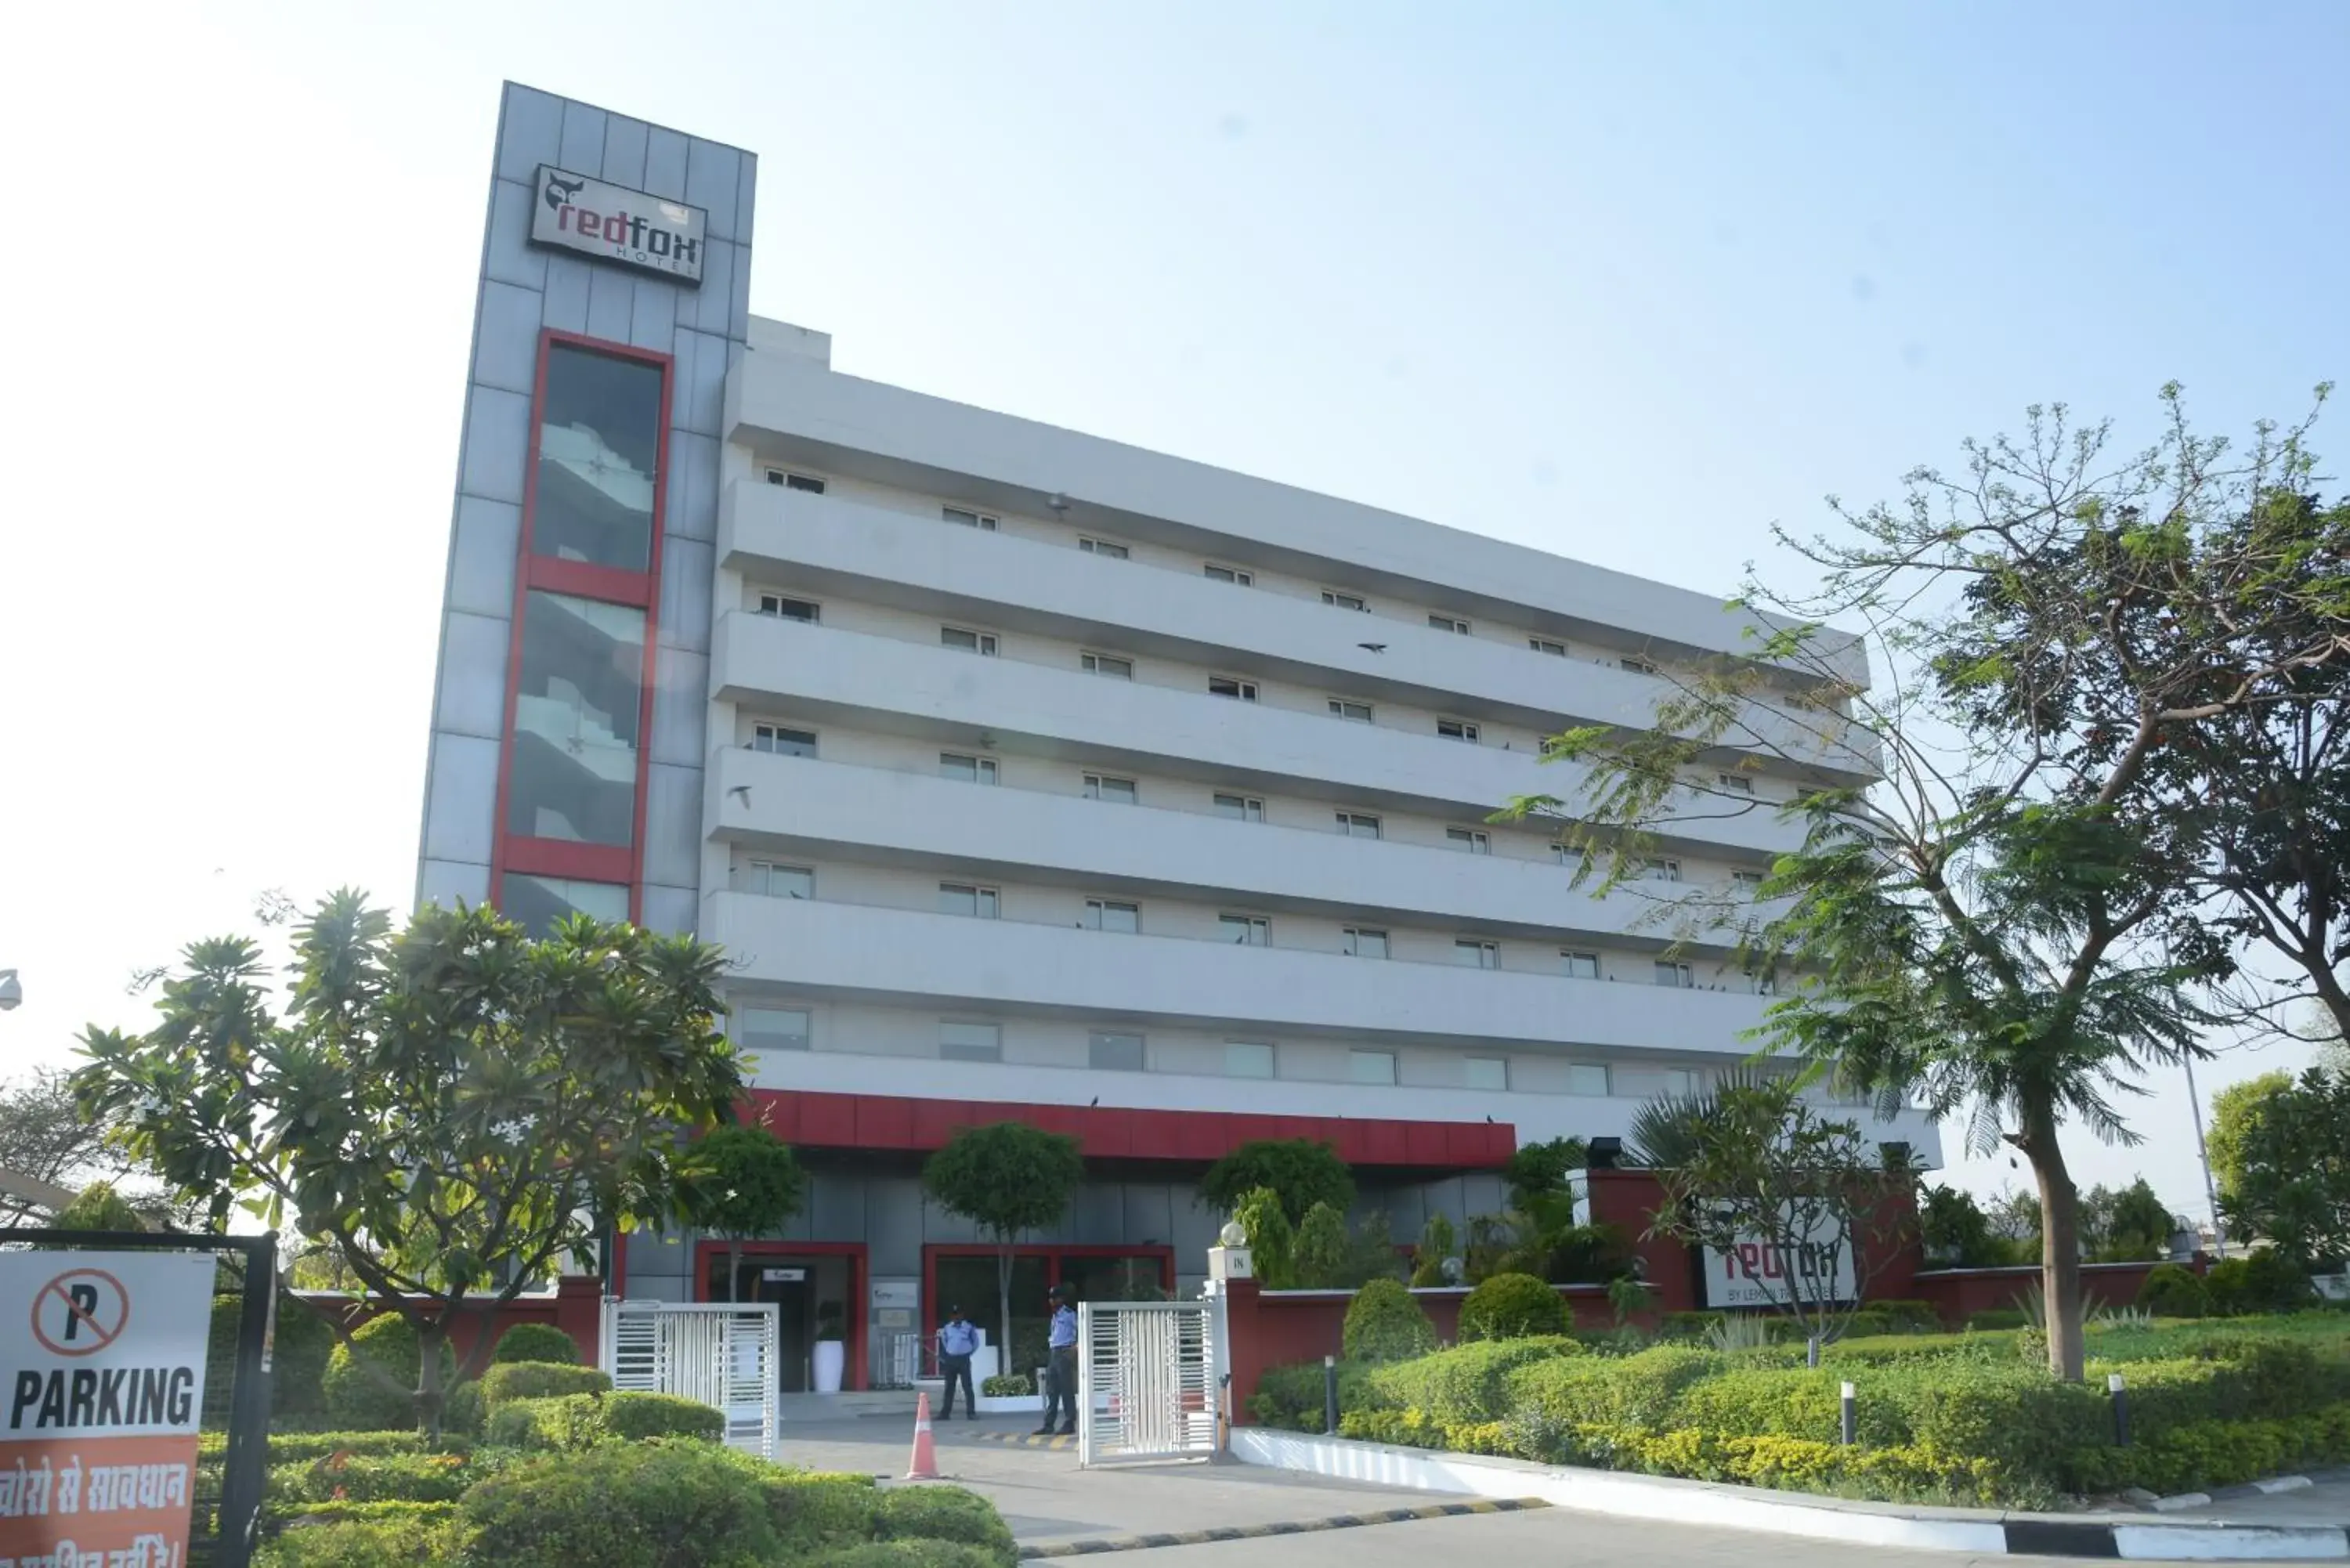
<point x="1286" y="1526"/>
<point x="1985" y="1532"/>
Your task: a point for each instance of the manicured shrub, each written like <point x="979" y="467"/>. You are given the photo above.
<point x="358" y="1399"/>
<point x="2273" y="1283"/>
<point x="1466" y="1385"/>
<point x="539" y="1380"/>
<point x="343" y="1512"/>
<point x="2227" y="1286"/>
<point x="576" y="1421"/>
<point x="371" y="1544"/>
<point x="1385" y="1324"/>
<point x="1008" y="1385"/>
<point x="911" y="1554"/>
<point x="1512" y="1307"/>
<point x="622" y="1505"/>
<point x="535" y="1342"/>
<point x="810" y="1512"/>
<point x="2169" y="1291"/>
<point x="462" y="1411"/>
<point x="948" y="1513"/>
<point x="1291" y="1398"/>
<point x="1997" y="1319"/>
<point x="1907" y="1316"/>
<point x="299" y="1447"/>
<point x="297" y="1370"/>
<point x="636" y="1418"/>
<point x="385" y="1478"/>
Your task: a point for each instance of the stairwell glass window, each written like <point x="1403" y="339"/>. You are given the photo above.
<point x="783" y="740"/>
<point x="965" y="898"/>
<point x="1546" y="645"/>
<point x="805" y="611"/>
<point x="964" y="640"/>
<point x="1245" y="930"/>
<point x="1578" y="965"/>
<point x="970" y="1041"/>
<point x="600" y="429"/>
<point x="1746" y="878"/>
<point x="572" y="758"/>
<point x="1353" y="713"/>
<point x="1343" y="601"/>
<point x="1675" y="975"/>
<point x="1109" y="1052"/>
<point x="968" y="518"/>
<point x="1248" y="1059"/>
<point x="773" y="881"/>
<point x="1449" y="623"/>
<point x="1227" y="686"/>
<point x="1107" y="664"/>
<point x="1233" y="574"/>
<point x="1239" y="807"/>
<point x="1355" y="825"/>
<point x="965" y="769"/>
<point x="1363" y="941"/>
<point x="1470" y="953"/>
<point x="1102" y="786"/>
<point x="1467" y="840"/>
<point x="1488" y="1073"/>
<point x="1376" y="1067"/>
<point x="1108" y="915"/>
<point x="770" y="1028"/>
<point x="1103" y="547"/>
<point x="1637" y="665"/>
<point x="1456" y="729"/>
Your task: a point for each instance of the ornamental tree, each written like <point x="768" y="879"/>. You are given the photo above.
<point x="1005" y="1178"/>
<point x="454" y="1107"/>
<point x="744" y="1182"/>
<point x="2292" y="1182"/>
<point x="1304" y="1171"/>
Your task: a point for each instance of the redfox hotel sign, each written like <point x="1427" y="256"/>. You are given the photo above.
<point x="614" y="223"/>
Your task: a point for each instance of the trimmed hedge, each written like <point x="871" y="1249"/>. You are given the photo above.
<point x="376" y="1543"/>
<point x="636" y="1418"/>
<point x="1512" y="1307"/>
<point x="948" y="1514"/>
<point x="637" y="1505"/>
<point x="385" y="1478"/>
<point x="2169" y="1291"/>
<point x="355" y="1399"/>
<point x="577" y="1421"/>
<point x="1385" y="1324"/>
<point x="535" y="1342"/>
<point x="1468" y="1385"/>
<point x="539" y="1380"/>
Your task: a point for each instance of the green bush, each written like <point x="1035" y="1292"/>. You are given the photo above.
<point x="637" y="1418"/>
<point x="812" y="1513"/>
<point x="1290" y="1397"/>
<point x="539" y="1380"/>
<point x="1385" y="1324"/>
<point x="297" y="1370"/>
<point x="462" y="1411"/>
<point x="299" y="1447"/>
<point x="2227" y="1286"/>
<point x="2274" y="1282"/>
<point x="1468" y="1384"/>
<point x="1008" y="1385"/>
<point x="1908" y="1316"/>
<point x="948" y="1513"/>
<point x="574" y="1421"/>
<point x="373" y="1543"/>
<point x="1512" y="1307"/>
<point x="385" y="1478"/>
<point x="283" y="1515"/>
<point x="361" y="1401"/>
<point x="911" y="1554"/>
<point x="633" y="1505"/>
<point x="2169" y="1291"/>
<point x="1999" y="1318"/>
<point x="535" y="1342"/>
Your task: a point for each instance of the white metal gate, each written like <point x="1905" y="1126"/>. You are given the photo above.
<point x="1146" y="1381"/>
<point x="725" y="1355"/>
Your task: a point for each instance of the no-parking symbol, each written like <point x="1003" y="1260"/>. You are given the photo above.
<point x="80" y="1313"/>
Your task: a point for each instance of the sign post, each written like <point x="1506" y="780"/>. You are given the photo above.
<point x="102" y="1365"/>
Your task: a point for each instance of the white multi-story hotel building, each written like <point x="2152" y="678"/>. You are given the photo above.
<point x="1026" y="775"/>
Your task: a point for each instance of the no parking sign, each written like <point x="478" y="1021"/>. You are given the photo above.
<point x="103" y="1369"/>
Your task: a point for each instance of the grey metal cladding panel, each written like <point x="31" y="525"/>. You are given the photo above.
<point x="738" y="317"/>
<point x="672" y="825"/>
<point x="692" y="509"/>
<point x="530" y="132"/>
<point x="506" y="338"/>
<point x="651" y="1255"/>
<point x="449" y="883"/>
<point x="711" y="172"/>
<point x="668" y="911"/>
<point x="940" y="1226"/>
<point x="701" y="381"/>
<point x="715" y="299"/>
<point x="746" y="189"/>
<point x="836" y="1207"/>
<point x="652" y="319"/>
<point x="482" y="557"/>
<point x="567" y="282"/>
<point x="474" y="650"/>
<point x="509" y="257"/>
<point x="611" y="296"/>
<point x="893" y="1225"/>
<point x="680" y="706"/>
<point x="583" y="140"/>
<point x="624" y="151"/>
<point x="461" y="799"/>
<point x="497" y="444"/>
<point x="1195" y="1226"/>
<point x="1147" y="1215"/>
<point x="687" y="581"/>
<point x="665" y="163"/>
<point x="1096" y="1216"/>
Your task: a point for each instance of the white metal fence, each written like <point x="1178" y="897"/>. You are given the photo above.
<point x="727" y="1355"/>
<point x="1146" y="1381"/>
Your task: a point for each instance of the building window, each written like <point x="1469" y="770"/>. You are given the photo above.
<point x="599" y="427"/>
<point x="1545" y="645"/>
<point x="1362" y="941"/>
<point x="771" y="1028"/>
<point x="968" y="518"/>
<point x="1656" y="870"/>
<point x="1578" y="965"/>
<point x="1682" y="1081"/>
<point x="1371" y="1067"/>
<point x="963" y="898"/>
<point x="1355" y="825"/>
<point x="1747" y="878"/>
<point x="1736" y="783"/>
<point x="1492" y="1073"/>
<point x="790" y="480"/>
<point x="966" y="769"/>
<point x="1217" y="573"/>
<point x="1761" y="983"/>
<point x="970" y="1041"/>
<point x="1112" y="1053"/>
<point x="1108" y="914"/>
<point x="1676" y="975"/>
<point x="572" y="759"/>
<point x="1245" y="930"/>
<point x="1469" y="840"/>
<point x="1456" y="729"/>
<point x="537" y="903"/>
<point x="1566" y="855"/>
<point x="782" y="740"/>
<point x="1358" y="713"/>
<point x="1101" y="786"/>
<point x="1239" y="807"/>
<point x="1226" y="686"/>
<point x="1587" y="1078"/>
<point x="1106" y="664"/>
<point x="1470" y="953"/>
<point x="1248" y="1059"/>
<point x="966" y="641"/>
<point x="1342" y="601"/>
<point x="1637" y="665"/>
<point x="790" y="608"/>
<point x="1103" y="547"/>
<point x="773" y="881"/>
<point x="1447" y="623"/>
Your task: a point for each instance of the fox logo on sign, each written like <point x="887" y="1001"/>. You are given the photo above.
<point x="80" y="1313"/>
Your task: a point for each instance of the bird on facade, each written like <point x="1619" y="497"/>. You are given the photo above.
<point x="1372" y="646"/>
<point x="742" y="790"/>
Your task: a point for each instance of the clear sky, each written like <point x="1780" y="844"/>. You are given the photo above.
<point x="1624" y="282"/>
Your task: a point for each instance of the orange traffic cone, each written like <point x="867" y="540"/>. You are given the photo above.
<point x="924" y="1465"/>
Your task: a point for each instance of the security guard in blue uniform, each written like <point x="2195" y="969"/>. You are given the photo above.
<point x="1061" y="1367"/>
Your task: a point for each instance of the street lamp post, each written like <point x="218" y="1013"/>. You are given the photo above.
<point x="2203" y="1153"/>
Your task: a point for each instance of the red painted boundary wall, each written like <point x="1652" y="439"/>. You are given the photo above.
<point x="576" y="1308"/>
<point x="1959" y="1294"/>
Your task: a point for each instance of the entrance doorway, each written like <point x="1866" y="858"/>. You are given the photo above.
<point x="820" y="1327"/>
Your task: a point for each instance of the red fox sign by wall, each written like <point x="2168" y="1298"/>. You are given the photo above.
<point x="1758" y="1272"/>
<point x="612" y="222"/>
